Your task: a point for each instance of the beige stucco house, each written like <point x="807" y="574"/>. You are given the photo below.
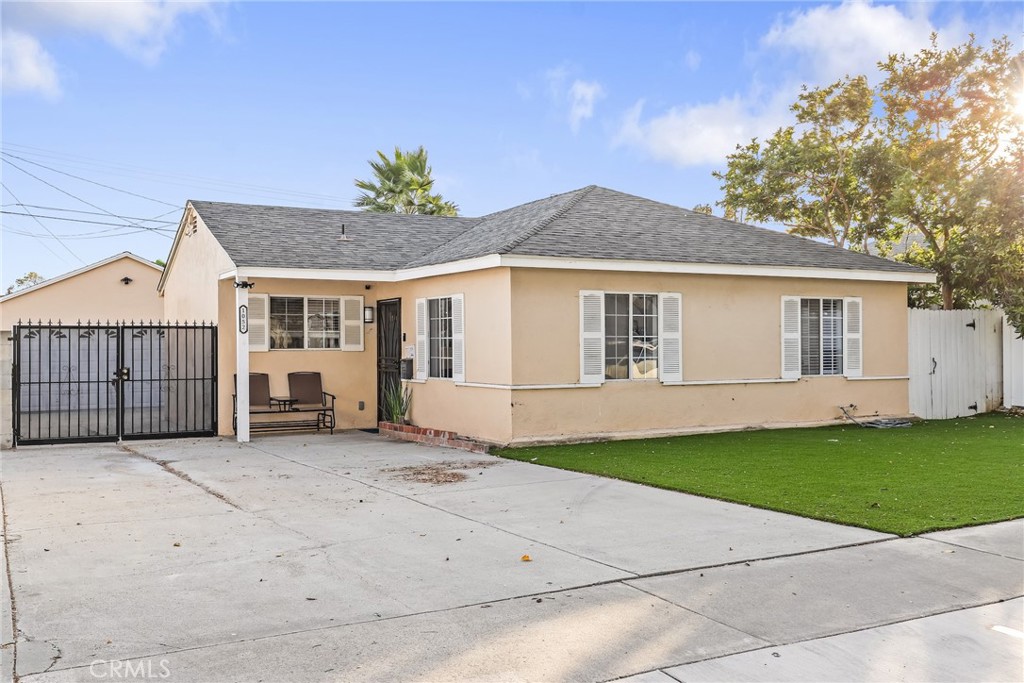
<point x="122" y="287"/>
<point x="589" y="314"/>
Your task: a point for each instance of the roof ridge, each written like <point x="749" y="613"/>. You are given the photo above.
<point x="581" y="193"/>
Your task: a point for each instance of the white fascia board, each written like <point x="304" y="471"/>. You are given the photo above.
<point x="354" y="275"/>
<point x="557" y="263"/>
<point x="515" y="261"/>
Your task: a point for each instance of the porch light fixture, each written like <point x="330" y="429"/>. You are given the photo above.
<point x="367" y="314"/>
<point x="126" y="280"/>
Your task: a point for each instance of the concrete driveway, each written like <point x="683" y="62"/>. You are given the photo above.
<point x="299" y="558"/>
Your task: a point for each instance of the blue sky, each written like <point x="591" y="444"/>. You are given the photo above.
<point x="284" y="103"/>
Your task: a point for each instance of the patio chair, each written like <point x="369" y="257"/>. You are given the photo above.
<point x="259" y="397"/>
<point x="307" y="390"/>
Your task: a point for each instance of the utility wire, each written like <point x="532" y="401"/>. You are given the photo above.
<point x="47" y="230"/>
<point x="190" y="181"/>
<point x="98" y="235"/>
<point x="77" y="177"/>
<point x="88" y="213"/>
<point x="62" y="191"/>
<point x="80" y="220"/>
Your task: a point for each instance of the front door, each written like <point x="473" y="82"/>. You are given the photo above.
<point x="389" y="350"/>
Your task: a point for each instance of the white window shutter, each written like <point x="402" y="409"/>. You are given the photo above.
<point x="422" y="361"/>
<point x="670" y="337"/>
<point x="853" y="333"/>
<point x="458" y="338"/>
<point x="591" y="337"/>
<point x="259" y="322"/>
<point x="790" y="337"/>
<point x="351" y="323"/>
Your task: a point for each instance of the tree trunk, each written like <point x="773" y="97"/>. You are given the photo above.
<point x="947" y="296"/>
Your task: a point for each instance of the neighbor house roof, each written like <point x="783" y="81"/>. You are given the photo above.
<point x="83" y="269"/>
<point x="591" y="223"/>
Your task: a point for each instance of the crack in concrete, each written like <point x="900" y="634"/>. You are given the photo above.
<point x="815" y="638"/>
<point x="967" y="547"/>
<point x="693" y="611"/>
<point x="10" y="586"/>
<point x="166" y="466"/>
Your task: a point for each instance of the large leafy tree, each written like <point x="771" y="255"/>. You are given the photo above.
<point x="403" y="184"/>
<point x="820" y="177"/>
<point x="954" y="138"/>
<point x="989" y="259"/>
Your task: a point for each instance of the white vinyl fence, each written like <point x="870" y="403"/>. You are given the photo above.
<point x="1013" y="368"/>
<point x="955" y="362"/>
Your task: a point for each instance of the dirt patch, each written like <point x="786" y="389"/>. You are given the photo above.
<point x="445" y="472"/>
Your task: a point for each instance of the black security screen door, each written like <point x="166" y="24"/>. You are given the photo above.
<point x="76" y="383"/>
<point x="389" y="350"/>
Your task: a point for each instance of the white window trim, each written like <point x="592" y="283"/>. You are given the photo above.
<point x="604" y="335"/>
<point x="844" y="371"/>
<point x="305" y="321"/>
<point x="423" y="375"/>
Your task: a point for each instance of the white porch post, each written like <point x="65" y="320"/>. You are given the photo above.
<point x="242" y="362"/>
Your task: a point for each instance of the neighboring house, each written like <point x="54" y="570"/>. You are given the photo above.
<point x="91" y="293"/>
<point x="588" y="314"/>
<point x="122" y="287"/>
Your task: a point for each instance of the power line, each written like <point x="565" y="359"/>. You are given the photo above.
<point x="98" y="235"/>
<point x="125" y="170"/>
<point x="80" y="220"/>
<point x="76" y="197"/>
<point x="47" y="230"/>
<point x="89" y="213"/>
<point x="76" y="177"/>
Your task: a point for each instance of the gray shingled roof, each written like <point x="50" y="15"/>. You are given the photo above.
<point x="286" y="237"/>
<point x="592" y="222"/>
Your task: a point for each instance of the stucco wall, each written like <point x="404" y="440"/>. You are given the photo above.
<point x="352" y="376"/>
<point x="96" y="294"/>
<point x="190" y="291"/>
<point x="522" y="329"/>
<point x="480" y="412"/>
<point x="731" y="331"/>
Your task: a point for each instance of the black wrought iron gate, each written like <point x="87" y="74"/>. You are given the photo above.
<point x="76" y="383"/>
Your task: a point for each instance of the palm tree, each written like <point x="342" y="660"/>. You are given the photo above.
<point x="402" y="185"/>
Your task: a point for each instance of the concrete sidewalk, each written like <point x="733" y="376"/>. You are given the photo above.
<point x="316" y="558"/>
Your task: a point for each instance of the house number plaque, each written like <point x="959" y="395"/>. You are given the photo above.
<point x="243" y="319"/>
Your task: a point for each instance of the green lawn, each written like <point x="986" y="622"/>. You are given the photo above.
<point x="933" y="475"/>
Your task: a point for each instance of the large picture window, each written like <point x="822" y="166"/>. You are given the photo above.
<point x="631" y="336"/>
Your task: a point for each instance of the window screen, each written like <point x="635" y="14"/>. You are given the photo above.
<point x="286" y="322"/>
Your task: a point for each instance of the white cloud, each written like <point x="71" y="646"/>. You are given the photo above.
<point x="27" y="66"/>
<point x="140" y="30"/>
<point x="828" y="42"/>
<point x="836" y="40"/>
<point x="692" y="60"/>
<point x="699" y="134"/>
<point x="582" y="96"/>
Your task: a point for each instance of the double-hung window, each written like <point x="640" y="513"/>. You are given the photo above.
<point x="821" y="336"/>
<point x="439" y="335"/>
<point x="300" y="322"/>
<point x="634" y="335"/>
<point x="441" y="338"/>
<point x="631" y="336"/>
